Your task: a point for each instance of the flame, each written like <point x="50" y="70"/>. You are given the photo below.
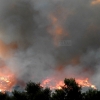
<point x="52" y="83"/>
<point x="57" y="84"/>
<point x="85" y="83"/>
<point x="7" y="79"/>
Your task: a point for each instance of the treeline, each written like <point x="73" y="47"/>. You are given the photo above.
<point x="70" y="91"/>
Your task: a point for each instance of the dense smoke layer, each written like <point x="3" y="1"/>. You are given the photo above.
<point x="31" y="31"/>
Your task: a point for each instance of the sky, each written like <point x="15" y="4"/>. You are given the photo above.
<point x="51" y="38"/>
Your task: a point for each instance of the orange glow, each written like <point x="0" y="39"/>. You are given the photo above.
<point x="56" y="29"/>
<point x="75" y="60"/>
<point x="60" y="68"/>
<point x="54" y="84"/>
<point x="6" y="49"/>
<point x="85" y="83"/>
<point x="7" y="79"/>
<point x="94" y="2"/>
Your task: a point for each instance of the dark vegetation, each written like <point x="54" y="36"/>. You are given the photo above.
<point x="70" y="91"/>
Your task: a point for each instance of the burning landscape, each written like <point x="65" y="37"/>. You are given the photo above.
<point x="49" y="40"/>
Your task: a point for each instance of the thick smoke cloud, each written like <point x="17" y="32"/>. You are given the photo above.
<point x="28" y="30"/>
<point x="34" y="46"/>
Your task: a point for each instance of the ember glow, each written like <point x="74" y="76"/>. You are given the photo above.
<point x="7" y="79"/>
<point x="54" y="84"/>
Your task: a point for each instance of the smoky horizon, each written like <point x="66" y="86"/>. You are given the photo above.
<point x="49" y="39"/>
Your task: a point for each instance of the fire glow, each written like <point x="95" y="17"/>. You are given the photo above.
<point x="7" y="79"/>
<point x="54" y="84"/>
<point x="94" y="2"/>
<point x="56" y="30"/>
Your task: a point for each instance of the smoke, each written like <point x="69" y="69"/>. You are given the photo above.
<point x="30" y="33"/>
<point x="34" y="53"/>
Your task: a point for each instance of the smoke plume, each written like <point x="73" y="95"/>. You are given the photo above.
<point x="31" y="31"/>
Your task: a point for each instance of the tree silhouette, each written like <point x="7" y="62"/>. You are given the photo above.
<point x="35" y="92"/>
<point x="91" y="94"/>
<point x="45" y="94"/>
<point x="3" y="96"/>
<point x="32" y="89"/>
<point x="19" y="95"/>
<point x="70" y="91"/>
<point x="58" y="95"/>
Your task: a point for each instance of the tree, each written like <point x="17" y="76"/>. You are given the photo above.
<point x="19" y="95"/>
<point x="45" y="94"/>
<point x="35" y="92"/>
<point x="72" y="90"/>
<point x="32" y="89"/>
<point x="58" y="95"/>
<point x="91" y="94"/>
<point x="3" y="96"/>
